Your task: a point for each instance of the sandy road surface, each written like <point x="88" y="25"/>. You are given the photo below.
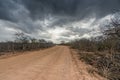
<point x="50" y="64"/>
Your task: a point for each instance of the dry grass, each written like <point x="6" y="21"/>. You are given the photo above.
<point x="107" y="65"/>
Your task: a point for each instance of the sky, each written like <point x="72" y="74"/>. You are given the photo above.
<point x="55" y="20"/>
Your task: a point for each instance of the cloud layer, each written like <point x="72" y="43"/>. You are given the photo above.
<point x="54" y="20"/>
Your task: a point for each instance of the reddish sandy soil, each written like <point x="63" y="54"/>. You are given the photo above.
<point x="55" y="63"/>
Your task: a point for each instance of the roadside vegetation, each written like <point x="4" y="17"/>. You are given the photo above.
<point x="23" y="43"/>
<point x="102" y="52"/>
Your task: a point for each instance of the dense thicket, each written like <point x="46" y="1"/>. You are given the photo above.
<point x="102" y="52"/>
<point x="23" y="43"/>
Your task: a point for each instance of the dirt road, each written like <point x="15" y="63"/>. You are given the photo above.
<point x="51" y="64"/>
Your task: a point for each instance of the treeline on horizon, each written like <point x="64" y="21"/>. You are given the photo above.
<point x="23" y="42"/>
<point x="102" y="52"/>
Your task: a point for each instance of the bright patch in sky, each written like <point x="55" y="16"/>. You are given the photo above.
<point x="56" y="33"/>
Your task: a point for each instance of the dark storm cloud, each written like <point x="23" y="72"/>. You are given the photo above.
<point x="29" y="15"/>
<point x="77" y="9"/>
<point x="70" y="10"/>
<point x="74" y="8"/>
<point x="5" y="6"/>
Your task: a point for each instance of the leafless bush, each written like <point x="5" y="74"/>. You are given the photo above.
<point x="108" y="63"/>
<point x="23" y="43"/>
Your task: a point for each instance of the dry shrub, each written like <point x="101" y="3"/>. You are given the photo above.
<point x="107" y="65"/>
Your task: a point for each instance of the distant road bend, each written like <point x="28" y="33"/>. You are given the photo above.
<point x="50" y="64"/>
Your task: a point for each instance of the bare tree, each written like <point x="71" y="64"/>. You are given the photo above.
<point x="21" y="37"/>
<point x="113" y="32"/>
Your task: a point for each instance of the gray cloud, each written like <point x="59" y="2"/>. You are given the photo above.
<point x="39" y="16"/>
<point x="74" y="8"/>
